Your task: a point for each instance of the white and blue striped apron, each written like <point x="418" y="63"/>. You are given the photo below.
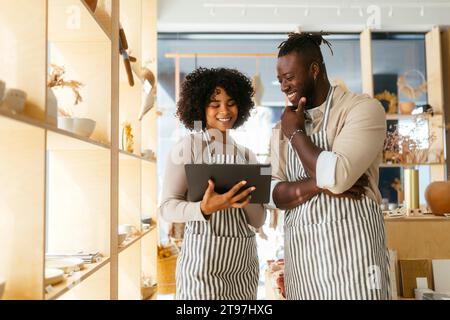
<point x="334" y="247"/>
<point x="218" y="259"/>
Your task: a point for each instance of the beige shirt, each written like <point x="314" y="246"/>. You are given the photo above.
<point x="356" y="132"/>
<point x="174" y="205"/>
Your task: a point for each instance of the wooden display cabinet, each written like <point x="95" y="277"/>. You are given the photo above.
<point x="63" y="192"/>
<point x="426" y="236"/>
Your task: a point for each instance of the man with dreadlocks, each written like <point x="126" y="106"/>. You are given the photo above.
<point x="325" y="154"/>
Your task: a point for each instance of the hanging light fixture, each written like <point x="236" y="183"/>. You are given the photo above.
<point x="391" y="11"/>
<point x="422" y="11"/>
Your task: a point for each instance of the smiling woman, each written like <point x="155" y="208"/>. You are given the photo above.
<point x="211" y="88"/>
<point x="218" y="259"/>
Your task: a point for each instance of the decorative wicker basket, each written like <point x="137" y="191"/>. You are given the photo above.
<point x="167" y="264"/>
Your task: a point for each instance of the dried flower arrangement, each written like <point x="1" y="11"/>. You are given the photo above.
<point x="390" y="98"/>
<point x="407" y="149"/>
<point x="56" y="80"/>
<point x="127" y="137"/>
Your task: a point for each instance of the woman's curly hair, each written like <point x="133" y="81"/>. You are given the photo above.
<point x="200" y="85"/>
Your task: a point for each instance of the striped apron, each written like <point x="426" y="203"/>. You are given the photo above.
<point x="334" y="247"/>
<point x="218" y="258"/>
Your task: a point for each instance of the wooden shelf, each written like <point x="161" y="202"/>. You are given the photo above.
<point x="427" y="217"/>
<point x="132" y="240"/>
<point x="128" y="243"/>
<point x="398" y="165"/>
<point x="135" y="156"/>
<point x="390" y="116"/>
<point x="102" y="20"/>
<point x="52" y="129"/>
<point x="75" y="279"/>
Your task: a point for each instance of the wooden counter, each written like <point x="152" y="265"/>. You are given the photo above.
<point x="419" y="237"/>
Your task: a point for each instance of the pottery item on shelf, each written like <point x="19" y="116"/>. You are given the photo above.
<point x="67" y="265"/>
<point x="411" y="188"/>
<point x="65" y="124"/>
<point x="148" y="154"/>
<point x="15" y="100"/>
<point x="148" y="103"/>
<point x="406" y="107"/>
<point x="122" y="237"/>
<point x="83" y="127"/>
<point x="53" y="276"/>
<point x="80" y="126"/>
<point x="128" y="229"/>
<point x="2" y="90"/>
<point x="148" y="80"/>
<point x="2" y="287"/>
<point x="92" y="4"/>
<point x="437" y="197"/>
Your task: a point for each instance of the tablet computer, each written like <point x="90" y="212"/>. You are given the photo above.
<point x="225" y="176"/>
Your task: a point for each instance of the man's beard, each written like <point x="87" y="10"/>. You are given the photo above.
<point x="308" y="93"/>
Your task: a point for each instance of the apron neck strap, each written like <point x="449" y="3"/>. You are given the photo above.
<point x="328" y="107"/>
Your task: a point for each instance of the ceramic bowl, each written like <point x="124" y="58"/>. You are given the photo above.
<point x="406" y="107"/>
<point x="83" y="127"/>
<point x="53" y="276"/>
<point x="122" y="237"/>
<point x="128" y="229"/>
<point x="80" y="126"/>
<point x="65" y="124"/>
<point x="2" y="287"/>
<point x="67" y="265"/>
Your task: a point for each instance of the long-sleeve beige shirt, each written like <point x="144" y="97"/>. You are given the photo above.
<point x="356" y="132"/>
<point x="174" y="206"/>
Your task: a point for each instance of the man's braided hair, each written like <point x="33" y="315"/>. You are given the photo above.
<point x="305" y="43"/>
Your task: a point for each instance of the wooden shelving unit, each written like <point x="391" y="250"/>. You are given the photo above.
<point x="436" y="123"/>
<point x="425" y="236"/>
<point x="69" y="193"/>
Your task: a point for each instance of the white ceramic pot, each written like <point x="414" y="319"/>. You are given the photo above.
<point x="122" y="237"/>
<point x="83" y="127"/>
<point x="80" y="126"/>
<point x="128" y="229"/>
<point x="15" y="100"/>
<point x="65" y="124"/>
